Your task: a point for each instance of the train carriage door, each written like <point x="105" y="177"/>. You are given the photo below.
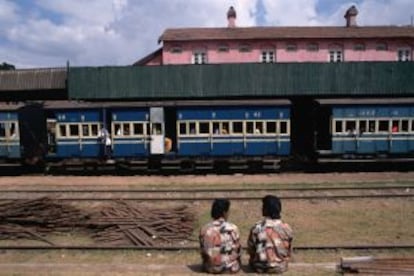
<point x="157" y="130"/>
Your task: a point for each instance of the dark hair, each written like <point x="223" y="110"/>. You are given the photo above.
<point x="219" y="208"/>
<point x="271" y="207"/>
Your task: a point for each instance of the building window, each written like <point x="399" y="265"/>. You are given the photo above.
<point x="244" y="48"/>
<point x="359" y="47"/>
<point x="291" y="47"/>
<point x="312" y="47"/>
<point x="267" y="56"/>
<point x="404" y="54"/>
<point x="336" y="56"/>
<point x="176" y="49"/>
<point x="381" y="47"/>
<point x="199" y="57"/>
<point x="223" y="48"/>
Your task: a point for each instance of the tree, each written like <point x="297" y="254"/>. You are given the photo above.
<point x="7" y="66"/>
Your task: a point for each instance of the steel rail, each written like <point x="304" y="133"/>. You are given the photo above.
<point x="313" y="197"/>
<point x="280" y="189"/>
<point x="194" y="247"/>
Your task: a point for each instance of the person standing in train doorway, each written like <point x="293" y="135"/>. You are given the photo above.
<point x="106" y="143"/>
<point x="220" y="241"/>
<point x="270" y="240"/>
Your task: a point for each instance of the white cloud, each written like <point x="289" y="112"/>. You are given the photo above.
<point x="119" y="32"/>
<point x="291" y="13"/>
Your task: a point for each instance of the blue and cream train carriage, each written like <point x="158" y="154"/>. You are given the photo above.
<point x="179" y="129"/>
<point x="234" y="130"/>
<point x="371" y="127"/>
<point x="185" y="133"/>
<point x="9" y="132"/>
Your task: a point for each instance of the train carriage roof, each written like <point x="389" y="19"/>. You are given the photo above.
<point x="84" y="105"/>
<point x="232" y="81"/>
<point x="366" y="101"/>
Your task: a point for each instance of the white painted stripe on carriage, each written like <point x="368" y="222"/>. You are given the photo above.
<point x="9" y="144"/>
<point x="77" y="143"/>
<point x="182" y="141"/>
<point x="336" y="139"/>
<point x="126" y="142"/>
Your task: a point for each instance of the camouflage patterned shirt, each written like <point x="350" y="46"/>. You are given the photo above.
<point x="270" y="246"/>
<point x="220" y="246"/>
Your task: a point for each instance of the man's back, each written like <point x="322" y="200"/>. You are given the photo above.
<point x="270" y="245"/>
<point x="220" y="246"/>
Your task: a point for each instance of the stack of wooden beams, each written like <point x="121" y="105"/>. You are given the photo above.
<point x="134" y="224"/>
<point x="31" y="219"/>
<point x="378" y="266"/>
<point x="119" y="223"/>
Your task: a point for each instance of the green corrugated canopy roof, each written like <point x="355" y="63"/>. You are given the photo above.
<point x="242" y="80"/>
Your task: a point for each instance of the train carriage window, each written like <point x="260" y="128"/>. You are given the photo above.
<point x="383" y="126"/>
<point x="283" y="127"/>
<point x="350" y="127"/>
<point x="225" y="128"/>
<point x="216" y="127"/>
<point x="127" y="129"/>
<point x="404" y="126"/>
<point x="371" y="126"/>
<point x="362" y="126"/>
<point x="259" y="128"/>
<point x="2" y="130"/>
<point x="62" y="131"/>
<point x="118" y="129"/>
<point x="412" y="126"/>
<point x="138" y="129"/>
<point x="85" y="130"/>
<point x="94" y="130"/>
<point x="338" y="127"/>
<point x="395" y="127"/>
<point x="73" y="130"/>
<point x="249" y="127"/>
<point x="183" y="128"/>
<point x="156" y="129"/>
<point x="13" y="130"/>
<point x="271" y="127"/>
<point x="237" y="127"/>
<point x="204" y="128"/>
<point x="192" y="126"/>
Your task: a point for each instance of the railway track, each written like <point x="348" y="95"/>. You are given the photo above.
<point x="316" y="193"/>
<point x="196" y="247"/>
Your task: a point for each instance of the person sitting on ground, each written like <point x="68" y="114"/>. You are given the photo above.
<point x="270" y="240"/>
<point x="220" y="241"/>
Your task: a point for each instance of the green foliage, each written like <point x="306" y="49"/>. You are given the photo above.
<point x="7" y="66"/>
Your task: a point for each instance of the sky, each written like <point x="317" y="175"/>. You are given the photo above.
<point x="50" y="33"/>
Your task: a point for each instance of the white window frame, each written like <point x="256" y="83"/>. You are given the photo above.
<point x="268" y="56"/>
<point x="199" y="57"/>
<point x="404" y="54"/>
<point x="336" y="55"/>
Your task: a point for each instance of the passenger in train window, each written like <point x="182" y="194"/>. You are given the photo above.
<point x="13" y="132"/>
<point x="270" y="240"/>
<point x="394" y="127"/>
<point x="371" y="124"/>
<point x="220" y="247"/>
<point x="259" y="128"/>
<point x="118" y="131"/>
<point x="126" y="130"/>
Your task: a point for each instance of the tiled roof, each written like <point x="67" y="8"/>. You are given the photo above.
<point x="187" y="34"/>
<point x="33" y="79"/>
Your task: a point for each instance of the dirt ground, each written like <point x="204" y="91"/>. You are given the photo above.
<point x="191" y="180"/>
<point x="313" y="223"/>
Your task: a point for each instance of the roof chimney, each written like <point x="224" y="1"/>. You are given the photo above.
<point x="231" y="17"/>
<point x="350" y="16"/>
